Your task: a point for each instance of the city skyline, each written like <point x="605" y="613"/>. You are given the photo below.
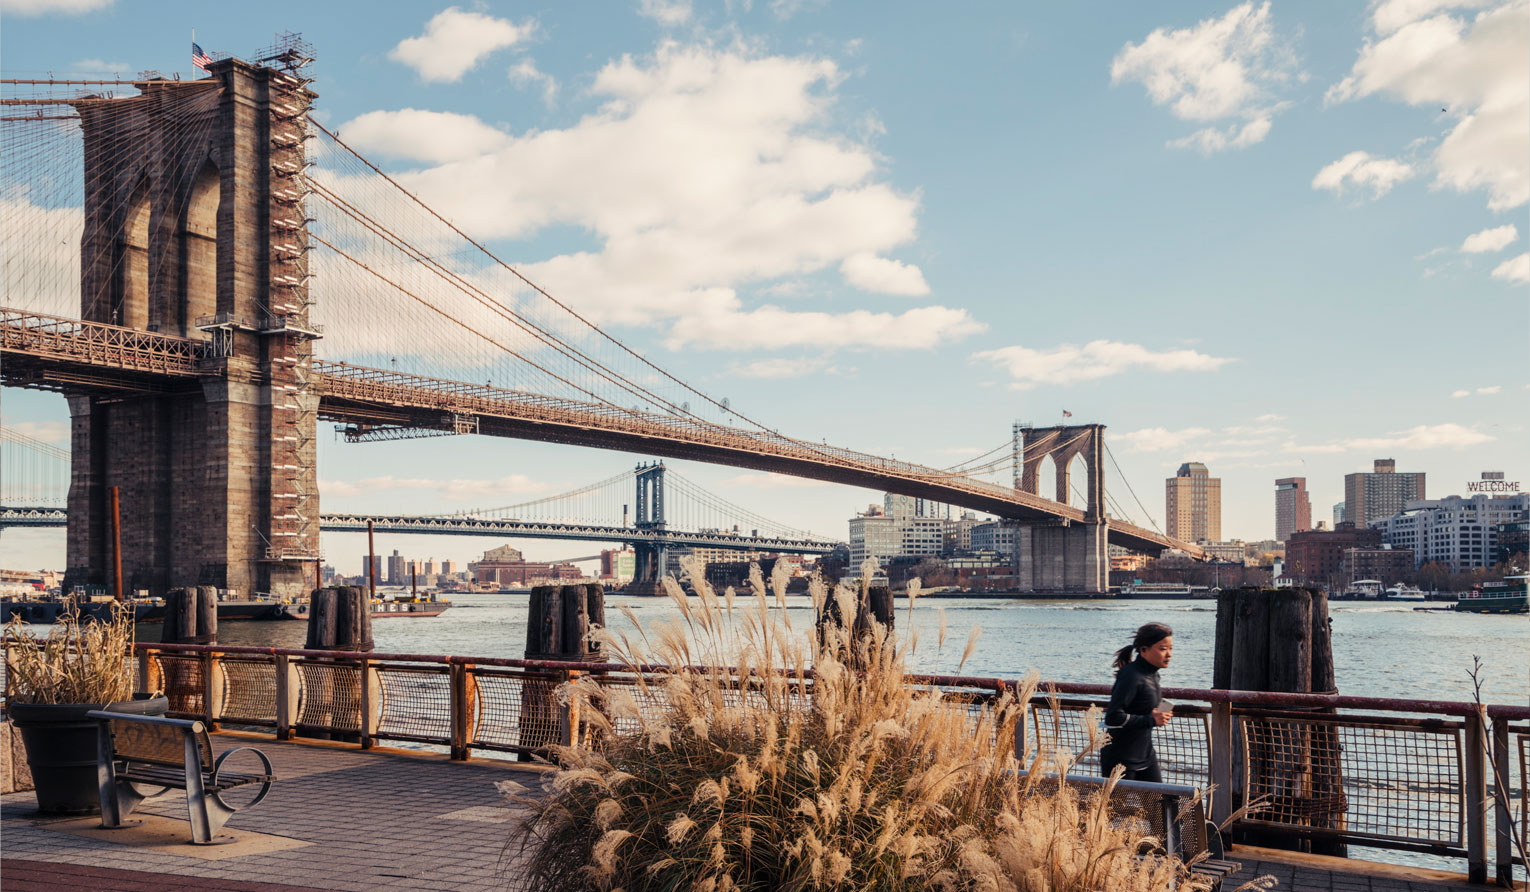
<point x="1315" y="183"/>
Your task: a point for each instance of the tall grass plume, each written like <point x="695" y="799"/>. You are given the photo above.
<point x="737" y="768"/>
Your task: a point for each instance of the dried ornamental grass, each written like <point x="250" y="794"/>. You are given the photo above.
<point x="77" y="662"/>
<point x="846" y="780"/>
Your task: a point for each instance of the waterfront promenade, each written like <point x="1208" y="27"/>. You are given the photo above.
<point x="343" y="820"/>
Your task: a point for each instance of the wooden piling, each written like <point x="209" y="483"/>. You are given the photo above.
<point x="557" y="628"/>
<point x="1279" y="640"/>
<point x="873" y="606"/>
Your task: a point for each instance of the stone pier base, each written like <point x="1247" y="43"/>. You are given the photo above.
<point x="1067" y="558"/>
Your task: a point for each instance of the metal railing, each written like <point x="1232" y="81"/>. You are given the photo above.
<point x="1411" y="775"/>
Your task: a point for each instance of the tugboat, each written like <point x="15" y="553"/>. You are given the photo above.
<point x="1508" y="596"/>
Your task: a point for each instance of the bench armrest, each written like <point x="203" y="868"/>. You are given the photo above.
<point x="107" y="716"/>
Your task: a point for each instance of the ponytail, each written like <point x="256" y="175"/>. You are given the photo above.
<point x="1146" y="637"/>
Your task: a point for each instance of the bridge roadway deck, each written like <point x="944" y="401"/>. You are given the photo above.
<point x="344" y="820"/>
<point x="12" y="516"/>
<point x="58" y="353"/>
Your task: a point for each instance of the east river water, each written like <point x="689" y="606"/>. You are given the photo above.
<point x="1380" y="650"/>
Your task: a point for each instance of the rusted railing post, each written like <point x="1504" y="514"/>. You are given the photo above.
<point x="209" y="690"/>
<point x="568" y="716"/>
<point x="1475" y="798"/>
<point x="145" y="667"/>
<point x="461" y="677"/>
<point x="364" y="721"/>
<point x="1221" y="748"/>
<point x="1503" y="816"/>
<point x="284" y="696"/>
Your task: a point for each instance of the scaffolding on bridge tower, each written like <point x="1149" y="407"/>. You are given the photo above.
<point x="289" y="336"/>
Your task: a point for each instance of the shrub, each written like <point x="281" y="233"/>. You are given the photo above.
<point x="76" y="662"/>
<point x="838" y="779"/>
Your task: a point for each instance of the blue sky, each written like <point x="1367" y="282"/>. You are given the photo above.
<point x="1280" y="238"/>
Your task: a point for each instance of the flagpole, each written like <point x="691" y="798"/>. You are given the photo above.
<point x="193" y="62"/>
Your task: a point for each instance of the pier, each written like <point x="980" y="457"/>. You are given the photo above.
<point x="412" y="732"/>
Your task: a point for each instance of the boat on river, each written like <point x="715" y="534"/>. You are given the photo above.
<point x="382" y="608"/>
<point x="1510" y="595"/>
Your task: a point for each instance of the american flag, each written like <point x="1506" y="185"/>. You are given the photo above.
<point x="200" y="59"/>
<point x="1067" y="414"/>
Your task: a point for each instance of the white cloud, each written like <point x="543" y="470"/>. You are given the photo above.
<point x="1210" y="140"/>
<point x="526" y="74"/>
<point x="703" y="170"/>
<point x="454" y="41"/>
<point x="1475" y="70"/>
<point x="53" y="432"/>
<point x="1489" y="390"/>
<point x="1490" y="240"/>
<point x="47" y="7"/>
<point x="1361" y="170"/>
<point x="1459" y="394"/>
<point x="1216" y="70"/>
<point x="1515" y="269"/>
<point x="1269" y="417"/>
<point x="771" y="481"/>
<point x="1424" y="436"/>
<point x="872" y="273"/>
<point x="1069" y="363"/>
<point x="99" y="66"/>
<point x="41" y="271"/>
<point x="456" y="488"/>
<point x="1159" y="439"/>
<point x="417" y="135"/>
<point x="722" y="324"/>
<point x="777" y="367"/>
<point x="668" y="13"/>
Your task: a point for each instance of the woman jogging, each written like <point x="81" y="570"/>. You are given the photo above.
<point x="1133" y="711"/>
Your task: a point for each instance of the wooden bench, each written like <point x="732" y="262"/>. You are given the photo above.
<point x="139" y="757"/>
<point x="1176" y="816"/>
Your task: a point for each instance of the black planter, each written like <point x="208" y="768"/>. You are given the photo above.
<point x="61" y="749"/>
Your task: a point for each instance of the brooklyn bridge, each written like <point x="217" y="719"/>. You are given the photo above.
<point x="206" y="272"/>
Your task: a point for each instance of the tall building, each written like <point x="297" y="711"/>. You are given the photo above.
<point x="1293" y="509"/>
<point x="1193" y="502"/>
<point x="1338" y="514"/>
<point x="448" y="568"/>
<point x="1461" y="533"/>
<point x="375" y="574"/>
<point x="906" y="527"/>
<point x="398" y="572"/>
<point x="1379" y="493"/>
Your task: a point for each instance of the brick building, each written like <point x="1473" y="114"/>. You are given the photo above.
<point x="506" y="566"/>
<point x="1316" y="557"/>
<point x="1390" y="565"/>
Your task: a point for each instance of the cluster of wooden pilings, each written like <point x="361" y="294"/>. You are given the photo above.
<point x="1280" y="640"/>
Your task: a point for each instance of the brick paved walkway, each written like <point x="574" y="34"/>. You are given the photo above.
<point x="340" y="820"/>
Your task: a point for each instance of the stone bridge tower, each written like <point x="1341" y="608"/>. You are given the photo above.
<point x="1063" y="556"/>
<point x="195" y="228"/>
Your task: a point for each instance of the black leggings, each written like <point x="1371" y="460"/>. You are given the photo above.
<point x="1149" y="772"/>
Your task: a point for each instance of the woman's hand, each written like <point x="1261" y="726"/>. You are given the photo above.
<point x="1161" y="717"/>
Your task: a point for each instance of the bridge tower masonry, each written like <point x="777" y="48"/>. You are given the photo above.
<point x="195" y="227"/>
<point x="649" y="557"/>
<point x="1062" y="555"/>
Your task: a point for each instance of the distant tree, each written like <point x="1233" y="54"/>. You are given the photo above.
<point x="1433" y="577"/>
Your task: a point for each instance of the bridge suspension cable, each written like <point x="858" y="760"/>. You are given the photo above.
<point x="32" y="473"/>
